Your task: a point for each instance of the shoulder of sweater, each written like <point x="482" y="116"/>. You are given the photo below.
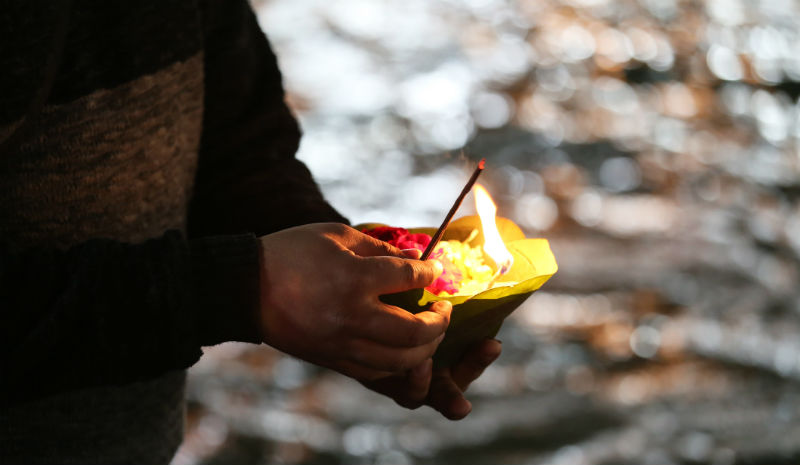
<point x="106" y="44"/>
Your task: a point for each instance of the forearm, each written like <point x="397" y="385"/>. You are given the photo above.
<point x="105" y="312"/>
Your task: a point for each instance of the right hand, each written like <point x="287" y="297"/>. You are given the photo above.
<point x="441" y="388"/>
<point x="319" y="301"/>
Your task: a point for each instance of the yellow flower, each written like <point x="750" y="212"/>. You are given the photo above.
<point x="478" y="311"/>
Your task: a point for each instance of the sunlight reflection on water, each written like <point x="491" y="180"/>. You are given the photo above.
<point x="656" y="144"/>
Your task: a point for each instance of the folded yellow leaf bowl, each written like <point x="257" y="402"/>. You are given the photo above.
<point x="479" y="316"/>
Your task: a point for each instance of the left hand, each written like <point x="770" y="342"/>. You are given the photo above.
<point x="443" y="388"/>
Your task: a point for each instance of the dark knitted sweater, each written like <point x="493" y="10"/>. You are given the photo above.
<point x="143" y="146"/>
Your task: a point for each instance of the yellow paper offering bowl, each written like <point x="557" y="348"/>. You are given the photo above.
<point x="479" y="316"/>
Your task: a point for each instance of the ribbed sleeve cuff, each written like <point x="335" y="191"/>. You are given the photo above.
<point x="225" y="275"/>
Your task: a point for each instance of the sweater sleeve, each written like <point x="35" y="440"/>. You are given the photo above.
<point x="105" y="312"/>
<point x="248" y="178"/>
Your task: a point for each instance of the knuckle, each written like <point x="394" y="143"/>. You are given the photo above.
<point x="409" y="272"/>
<point x="378" y="269"/>
<point x="398" y="363"/>
<point x="389" y="248"/>
<point x="345" y="324"/>
<point x="414" y="335"/>
<point x="354" y="350"/>
<point x="336" y="321"/>
<point x="335" y="228"/>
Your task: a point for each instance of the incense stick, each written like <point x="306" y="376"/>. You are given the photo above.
<point x="438" y="236"/>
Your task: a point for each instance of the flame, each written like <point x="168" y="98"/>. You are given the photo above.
<point x="493" y="243"/>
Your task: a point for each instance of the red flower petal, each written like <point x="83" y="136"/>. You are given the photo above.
<point x="385" y="233"/>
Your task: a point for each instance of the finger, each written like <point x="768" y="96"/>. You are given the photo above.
<point x="446" y="398"/>
<point x="367" y="246"/>
<point x="360" y="372"/>
<point x="392" y="359"/>
<point x="386" y="275"/>
<point x="419" y="381"/>
<point x="414" y="254"/>
<point x="408" y="391"/>
<point x="393" y="326"/>
<point x="474" y="362"/>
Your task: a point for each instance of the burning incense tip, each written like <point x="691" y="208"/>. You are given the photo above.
<point x="440" y="231"/>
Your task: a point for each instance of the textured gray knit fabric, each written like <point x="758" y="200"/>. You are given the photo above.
<point x="129" y="179"/>
<point x="130" y="202"/>
<point x="139" y="423"/>
<point x="122" y="166"/>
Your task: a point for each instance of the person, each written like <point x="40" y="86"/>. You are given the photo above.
<point x="151" y="204"/>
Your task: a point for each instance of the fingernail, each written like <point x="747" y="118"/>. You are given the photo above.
<point x="411" y="253"/>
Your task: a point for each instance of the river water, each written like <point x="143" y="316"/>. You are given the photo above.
<point x="656" y="144"/>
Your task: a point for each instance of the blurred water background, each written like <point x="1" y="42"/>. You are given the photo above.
<point x="655" y="143"/>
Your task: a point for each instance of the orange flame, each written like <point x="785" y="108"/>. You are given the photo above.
<point x="493" y="245"/>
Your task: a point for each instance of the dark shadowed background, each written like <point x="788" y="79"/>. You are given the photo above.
<point x="655" y="143"/>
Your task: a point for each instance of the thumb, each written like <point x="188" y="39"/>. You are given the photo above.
<point x="364" y="245"/>
<point x="413" y="254"/>
<point x="367" y="246"/>
<point x="391" y="274"/>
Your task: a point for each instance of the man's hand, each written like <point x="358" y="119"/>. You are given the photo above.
<point x="443" y="388"/>
<point x="319" y="301"/>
